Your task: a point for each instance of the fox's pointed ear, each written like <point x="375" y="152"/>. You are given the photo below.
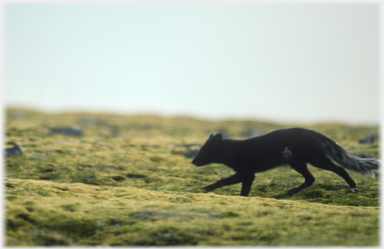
<point x="211" y="136"/>
<point x="217" y="137"/>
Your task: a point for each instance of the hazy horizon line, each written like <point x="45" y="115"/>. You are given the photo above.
<point x="188" y="114"/>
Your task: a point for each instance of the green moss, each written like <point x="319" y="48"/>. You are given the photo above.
<point x="127" y="182"/>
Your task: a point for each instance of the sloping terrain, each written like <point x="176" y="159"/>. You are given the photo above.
<point x="128" y="180"/>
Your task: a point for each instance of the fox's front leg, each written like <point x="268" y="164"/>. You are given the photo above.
<point x="247" y="183"/>
<point x="236" y="178"/>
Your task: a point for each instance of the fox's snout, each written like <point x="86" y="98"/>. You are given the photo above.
<point x="197" y="161"/>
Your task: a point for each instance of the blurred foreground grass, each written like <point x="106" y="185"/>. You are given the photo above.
<point x="126" y="181"/>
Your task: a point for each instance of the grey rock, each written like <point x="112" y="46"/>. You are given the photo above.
<point x="370" y="139"/>
<point x="68" y="131"/>
<point x="15" y="150"/>
<point x="191" y="153"/>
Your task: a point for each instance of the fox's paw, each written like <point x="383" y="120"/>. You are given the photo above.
<point x="292" y="191"/>
<point x="345" y="186"/>
<point x="207" y="188"/>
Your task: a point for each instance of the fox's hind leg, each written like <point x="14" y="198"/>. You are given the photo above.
<point x="327" y="164"/>
<point x="302" y="168"/>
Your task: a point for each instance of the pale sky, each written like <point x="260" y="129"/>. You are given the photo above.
<point x="276" y="62"/>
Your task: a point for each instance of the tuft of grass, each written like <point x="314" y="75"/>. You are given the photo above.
<point x="127" y="181"/>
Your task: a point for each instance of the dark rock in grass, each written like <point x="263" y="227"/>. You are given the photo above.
<point x="135" y="176"/>
<point x="191" y="153"/>
<point x="68" y="131"/>
<point x="119" y="178"/>
<point x="370" y="139"/>
<point x="15" y="150"/>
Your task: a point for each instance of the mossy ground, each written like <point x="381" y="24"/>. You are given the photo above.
<point x="126" y="182"/>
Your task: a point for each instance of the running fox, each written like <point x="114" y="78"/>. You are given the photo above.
<point x="295" y="146"/>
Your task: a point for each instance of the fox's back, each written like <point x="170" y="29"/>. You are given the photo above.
<point x="263" y="150"/>
<point x="269" y="147"/>
<point x="281" y="138"/>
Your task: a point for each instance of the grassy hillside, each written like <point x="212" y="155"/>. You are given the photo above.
<point x="126" y="181"/>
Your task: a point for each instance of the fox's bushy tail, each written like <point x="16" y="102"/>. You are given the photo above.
<point x="341" y="157"/>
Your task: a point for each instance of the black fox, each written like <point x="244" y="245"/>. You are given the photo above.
<point x="295" y="146"/>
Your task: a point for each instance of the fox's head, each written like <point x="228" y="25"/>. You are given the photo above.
<point x="209" y="152"/>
